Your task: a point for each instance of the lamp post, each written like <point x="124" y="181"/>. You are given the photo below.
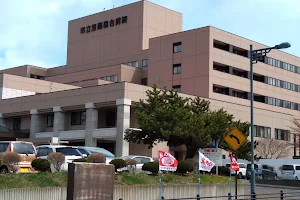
<point x="257" y="55"/>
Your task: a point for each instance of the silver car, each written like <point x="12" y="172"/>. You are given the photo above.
<point x="140" y="161"/>
<point x="89" y="150"/>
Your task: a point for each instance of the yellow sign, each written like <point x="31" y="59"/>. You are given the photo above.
<point x="235" y="138"/>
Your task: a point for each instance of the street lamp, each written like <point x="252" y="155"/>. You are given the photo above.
<point x="257" y="55"/>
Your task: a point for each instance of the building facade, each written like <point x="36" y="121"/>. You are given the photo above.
<point x="115" y="56"/>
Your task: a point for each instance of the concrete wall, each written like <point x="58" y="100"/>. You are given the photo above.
<point x="144" y="192"/>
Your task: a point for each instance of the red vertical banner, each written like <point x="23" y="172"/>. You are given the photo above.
<point x="234" y="166"/>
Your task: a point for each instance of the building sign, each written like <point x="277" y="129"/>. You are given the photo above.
<point x="102" y="25"/>
<point x="213" y="154"/>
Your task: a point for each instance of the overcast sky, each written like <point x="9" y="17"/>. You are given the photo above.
<point x="35" y="31"/>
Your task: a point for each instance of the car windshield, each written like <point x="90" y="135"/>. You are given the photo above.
<point x="23" y="148"/>
<point x="101" y="150"/>
<point x="68" y="151"/>
<point x="287" y="167"/>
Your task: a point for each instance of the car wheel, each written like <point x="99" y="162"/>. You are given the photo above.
<point x="296" y="178"/>
<point x="240" y="175"/>
<point x="3" y="170"/>
<point x="275" y="177"/>
<point x="248" y="178"/>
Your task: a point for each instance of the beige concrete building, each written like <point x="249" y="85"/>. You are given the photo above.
<point x="115" y="56"/>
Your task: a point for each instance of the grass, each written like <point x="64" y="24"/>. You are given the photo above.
<point x="8" y="181"/>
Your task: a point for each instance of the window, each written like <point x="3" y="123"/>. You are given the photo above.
<point x="37" y="77"/>
<point x="146" y="160"/>
<point x="221" y="90"/>
<point x="261" y="131"/>
<point x="23" y="148"/>
<point x="77" y="118"/>
<point x="282" y="134"/>
<point x="42" y="152"/>
<point x="176" y="47"/>
<point x="138" y="160"/>
<point x="240" y="73"/>
<point x="259" y="98"/>
<point x="177" y="88"/>
<point x="238" y="94"/>
<point x="3" y="147"/>
<point x="177" y="69"/>
<point x="221" y="68"/>
<point x="221" y="45"/>
<point x="113" y="78"/>
<point x="17" y="123"/>
<point x="145" y="63"/>
<point x="240" y="52"/>
<point x="68" y="151"/>
<point x="110" y="118"/>
<point x="83" y="151"/>
<point x="133" y="64"/>
<point x="144" y="81"/>
<point x="50" y="119"/>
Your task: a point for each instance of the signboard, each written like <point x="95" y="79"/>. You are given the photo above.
<point x="204" y="163"/>
<point x="235" y="138"/>
<point x="214" y="154"/>
<point x="102" y="25"/>
<point x="234" y="166"/>
<point x="167" y="162"/>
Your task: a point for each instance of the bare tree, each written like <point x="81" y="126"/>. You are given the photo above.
<point x="273" y="149"/>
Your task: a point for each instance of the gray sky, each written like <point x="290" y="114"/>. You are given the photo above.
<point x="35" y="31"/>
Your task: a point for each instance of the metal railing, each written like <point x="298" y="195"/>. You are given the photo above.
<point x="280" y="196"/>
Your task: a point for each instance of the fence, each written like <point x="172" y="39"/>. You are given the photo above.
<point x="136" y="192"/>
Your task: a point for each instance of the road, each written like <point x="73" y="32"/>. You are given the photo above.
<point x="291" y="192"/>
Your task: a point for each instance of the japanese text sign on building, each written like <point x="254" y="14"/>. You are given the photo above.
<point x="204" y="163"/>
<point x="167" y="162"/>
<point x="105" y="24"/>
<point x="235" y="139"/>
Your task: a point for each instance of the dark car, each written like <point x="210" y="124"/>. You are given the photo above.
<point x="262" y="172"/>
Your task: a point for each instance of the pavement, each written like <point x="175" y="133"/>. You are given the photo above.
<point x="270" y="191"/>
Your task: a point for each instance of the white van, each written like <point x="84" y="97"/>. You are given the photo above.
<point x="290" y="172"/>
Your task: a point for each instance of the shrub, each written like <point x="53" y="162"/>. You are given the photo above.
<point x="193" y="162"/>
<point x="11" y="160"/>
<point x="184" y="167"/>
<point x="42" y="165"/>
<point x="118" y="163"/>
<point x="131" y="165"/>
<point x="57" y="160"/>
<point x="81" y="160"/>
<point x="152" y="167"/>
<point x="96" y="158"/>
<point x="223" y="170"/>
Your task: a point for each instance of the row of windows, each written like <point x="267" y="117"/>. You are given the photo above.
<point x="258" y="98"/>
<point x="133" y="64"/>
<point x="283" y="84"/>
<point x="90" y="79"/>
<point x="113" y="78"/>
<point x="37" y="77"/>
<point x="283" y="103"/>
<point x="256" y="77"/>
<point x="262" y="131"/>
<point x="282" y="65"/>
<point x="266" y="59"/>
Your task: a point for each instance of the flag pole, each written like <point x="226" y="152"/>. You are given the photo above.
<point x="230" y="184"/>
<point x="160" y="185"/>
<point x="198" y="175"/>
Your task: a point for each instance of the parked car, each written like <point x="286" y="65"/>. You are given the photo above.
<point x="290" y="172"/>
<point x="262" y="171"/>
<point x="70" y="153"/>
<point x="140" y="161"/>
<point x="27" y="152"/>
<point x="241" y="173"/>
<point x="89" y="150"/>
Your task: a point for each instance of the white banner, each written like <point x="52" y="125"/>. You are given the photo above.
<point x="204" y="163"/>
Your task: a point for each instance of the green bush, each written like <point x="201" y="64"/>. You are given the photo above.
<point x="42" y="165"/>
<point x="223" y="170"/>
<point x="118" y="163"/>
<point x="81" y="160"/>
<point x="184" y="167"/>
<point x="152" y="167"/>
